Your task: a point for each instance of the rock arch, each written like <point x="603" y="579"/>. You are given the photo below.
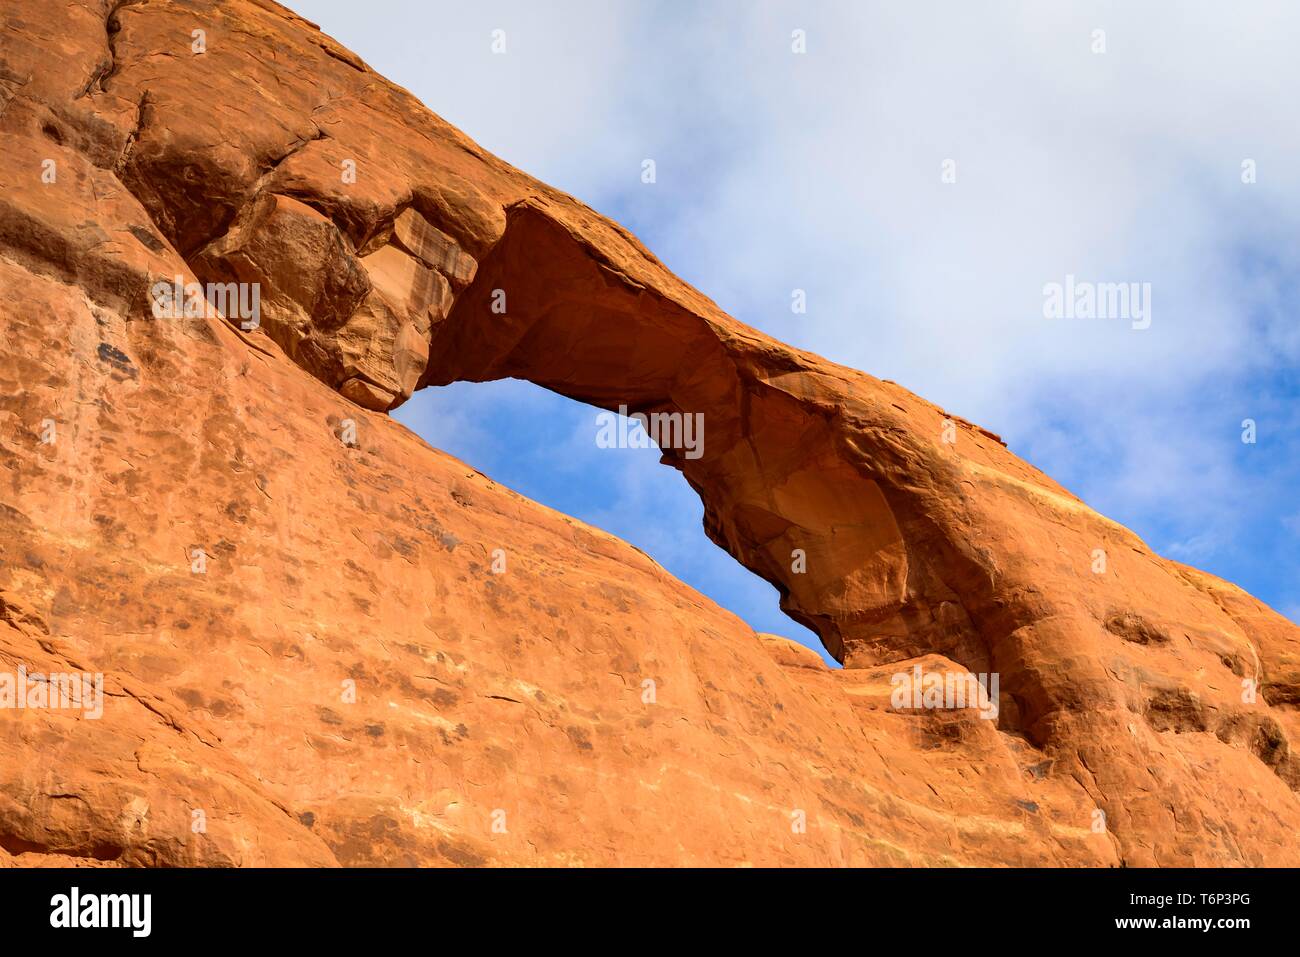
<point x="1122" y="670"/>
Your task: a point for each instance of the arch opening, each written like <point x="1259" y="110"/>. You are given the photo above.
<point x="546" y="447"/>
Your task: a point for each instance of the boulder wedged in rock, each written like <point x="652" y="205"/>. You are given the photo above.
<point x="353" y="676"/>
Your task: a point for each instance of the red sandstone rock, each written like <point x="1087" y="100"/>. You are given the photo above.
<point x="349" y="680"/>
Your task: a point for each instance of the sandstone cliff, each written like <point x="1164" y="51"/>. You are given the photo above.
<point x="304" y="644"/>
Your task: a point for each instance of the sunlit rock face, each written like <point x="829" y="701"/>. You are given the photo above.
<point x="321" y="641"/>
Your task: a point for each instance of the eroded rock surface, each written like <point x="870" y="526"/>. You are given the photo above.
<point x="347" y="679"/>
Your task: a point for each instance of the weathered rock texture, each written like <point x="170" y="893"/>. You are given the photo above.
<point x="349" y="681"/>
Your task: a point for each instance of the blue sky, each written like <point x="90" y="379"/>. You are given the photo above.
<point x="822" y="171"/>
